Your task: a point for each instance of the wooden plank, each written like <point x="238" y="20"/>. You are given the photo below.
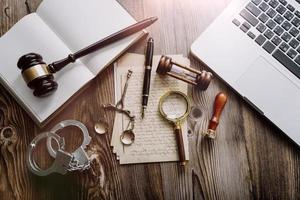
<point x="15" y="182"/>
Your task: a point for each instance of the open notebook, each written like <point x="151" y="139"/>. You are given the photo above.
<point x="57" y="29"/>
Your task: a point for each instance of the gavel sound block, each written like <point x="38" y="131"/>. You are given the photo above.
<point x="201" y="79"/>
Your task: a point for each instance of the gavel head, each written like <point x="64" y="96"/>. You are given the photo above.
<point x="37" y="75"/>
<point x="201" y="79"/>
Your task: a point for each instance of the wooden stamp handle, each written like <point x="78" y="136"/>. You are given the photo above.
<point x="219" y="104"/>
<point x="179" y="140"/>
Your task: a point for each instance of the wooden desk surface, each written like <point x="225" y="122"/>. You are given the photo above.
<point x="250" y="159"/>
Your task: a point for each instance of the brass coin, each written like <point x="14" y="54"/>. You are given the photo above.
<point x="127" y="137"/>
<point x="101" y="128"/>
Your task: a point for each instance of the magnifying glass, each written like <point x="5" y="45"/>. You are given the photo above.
<point x="174" y="106"/>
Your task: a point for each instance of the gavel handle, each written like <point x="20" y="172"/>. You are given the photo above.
<point x="58" y="65"/>
<point x="180" y="144"/>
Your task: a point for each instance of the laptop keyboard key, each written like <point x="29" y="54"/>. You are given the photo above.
<point x="260" y="40"/>
<point x="261" y="27"/>
<point x="286" y="37"/>
<point x="278" y="30"/>
<point x="263" y="17"/>
<point x="244" y="28"/>
<point x="297" y="13"/>
<point x="263" y="6"/>
<point x="256" y="2"/>
<point x="248" y="26"/>
<point x="271" y="24"/>
<point x="269" y="34"/>
<point x="249" y="17"/>
<point x="294" y="43"/>
<point x="279" y="19"/>
<point x="283" y="2"/>
<point x="251" y="35"/>
<point x="253" y="9"/>
<point x="286" y="25"/>
<point x="269" y="47"/>
<point x="276" y="40"/>
<point x="290" y="7"/>
<point x="294" y="32"/>
<point x="236" y="22"/>
<point x="296" y="21"/>
<point x="288" y="15"/>
<point x="292" y="53"/>
<point x="271" y="13"/>
<point x="287" y="62"/>
<point x="297" y="59"/>
<point x="298" y="50"/>
<point x="284" y="46"/>
<point x="273" y="3"/>
<point x="281" y="9"/>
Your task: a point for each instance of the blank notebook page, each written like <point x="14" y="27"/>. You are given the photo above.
<point x="80" y="23"/>
<point x="31" y="34"/>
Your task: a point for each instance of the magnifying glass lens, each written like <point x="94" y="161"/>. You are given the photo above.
<point x="174" y="106"/>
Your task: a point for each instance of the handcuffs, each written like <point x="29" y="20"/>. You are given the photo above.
<point x="64" y="161"/>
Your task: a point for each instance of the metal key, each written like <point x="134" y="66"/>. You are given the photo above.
<point x="115" y="108"/>
<point x="120" y="103"/>
<point x="125" y="112"/>
<point x="127" y="137"/>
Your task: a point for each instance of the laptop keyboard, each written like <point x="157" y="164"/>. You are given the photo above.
<point x="275" y="26"/>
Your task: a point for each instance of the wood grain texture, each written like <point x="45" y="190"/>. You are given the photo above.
<point x="250" y="158"/>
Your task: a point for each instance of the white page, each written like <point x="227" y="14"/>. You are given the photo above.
<point x="154" y="137"/>
<point x="80" y="23"/>
<point x="31" y="34"/>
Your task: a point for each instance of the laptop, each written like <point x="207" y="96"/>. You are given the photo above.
<point x="254" y="46"/>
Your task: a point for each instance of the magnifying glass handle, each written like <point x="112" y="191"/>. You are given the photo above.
<point x="179" y="140"/>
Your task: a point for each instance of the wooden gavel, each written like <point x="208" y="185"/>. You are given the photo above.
<point x="39" y="76"/>
<point x="219" y="105"/>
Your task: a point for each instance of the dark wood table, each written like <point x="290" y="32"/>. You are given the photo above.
<point x="250" y="159"/>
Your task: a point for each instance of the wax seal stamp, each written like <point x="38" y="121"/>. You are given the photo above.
<point x="219" y="105"/>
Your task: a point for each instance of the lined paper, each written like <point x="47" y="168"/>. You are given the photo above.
<point x="154" y="137"/>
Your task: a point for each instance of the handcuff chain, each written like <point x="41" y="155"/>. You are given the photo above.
<point x="74" y="166"/>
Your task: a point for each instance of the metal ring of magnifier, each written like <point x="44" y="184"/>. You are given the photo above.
<point x="66" y="123"/>
<point x="185" y="97"/>
<point x="32" y="165"/>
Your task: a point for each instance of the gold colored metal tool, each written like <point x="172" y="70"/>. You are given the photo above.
<point x="174" y="106"/>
